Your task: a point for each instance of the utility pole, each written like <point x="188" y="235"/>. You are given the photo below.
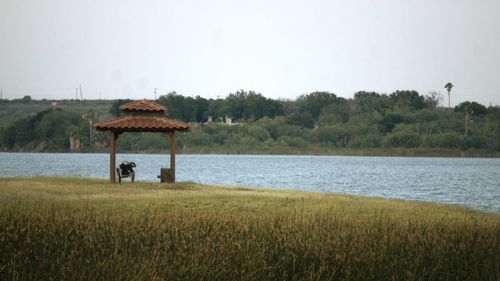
<point x="90" y="116"/>
<point x="155" y="92"/>
<point x="81" y="96"/>
<point x="467" y="115"/>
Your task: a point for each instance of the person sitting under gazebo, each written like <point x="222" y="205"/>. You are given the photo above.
<point x="127" y="170"/>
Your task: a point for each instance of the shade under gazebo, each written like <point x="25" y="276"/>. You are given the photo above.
<point x="141" y="116"/>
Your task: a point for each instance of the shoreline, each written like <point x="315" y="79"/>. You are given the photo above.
<point x="297" y="192"/>
<point x="375" y="152"/>
<point x="189" y="186"/>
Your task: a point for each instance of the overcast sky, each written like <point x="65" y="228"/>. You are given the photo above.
<point x="282" y="49"/>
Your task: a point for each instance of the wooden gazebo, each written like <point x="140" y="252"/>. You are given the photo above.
<point x="141" y="116"/>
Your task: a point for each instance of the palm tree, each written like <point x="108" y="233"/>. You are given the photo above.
<point x="448" y="87"/>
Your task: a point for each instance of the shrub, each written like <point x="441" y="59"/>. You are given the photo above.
<point x="258" y="133"/>
<point x="402" y="139"/>
<point x="475" y="142"/>
<point x="332" y="135"/>
<point x="197" y="137"/>
<point x="368" y="140"/>
<point x="446" y="140"/>
<point x="292" y="141"/>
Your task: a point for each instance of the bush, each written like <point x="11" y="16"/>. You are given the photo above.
<point x="302" y="119"/>
<point x="366" y="141"/>
<point x="258" y="133"/>
<point x="332" y="135"/>
<point x="402" y="139"/>
<point x="197" y="138"/>
<point x="475" y="142"/>
<point x="292" y="141"/>
<point x="446" y="140"/>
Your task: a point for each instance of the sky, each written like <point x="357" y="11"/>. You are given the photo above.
<point x="281" y="49"/>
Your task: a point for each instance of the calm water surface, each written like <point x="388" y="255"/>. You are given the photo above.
<point x="473" y="182"/>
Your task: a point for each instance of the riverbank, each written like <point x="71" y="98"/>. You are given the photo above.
<point x="75" y="228"/>
<point x="408" y="152"/>
<point x="317" y="150"/>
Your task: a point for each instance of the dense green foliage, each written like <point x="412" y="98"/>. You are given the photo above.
<point x="61" y="229"/>
<point x="315" y="122"/>
<point x="12" y="110"/>
<point x="53" y="127"/>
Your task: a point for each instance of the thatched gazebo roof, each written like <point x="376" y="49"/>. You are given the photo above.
<point x="141" y="116"/>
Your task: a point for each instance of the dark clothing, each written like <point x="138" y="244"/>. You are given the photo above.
<point x="126" y="169"/>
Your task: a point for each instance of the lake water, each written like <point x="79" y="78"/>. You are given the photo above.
<point x="473" y="182"/>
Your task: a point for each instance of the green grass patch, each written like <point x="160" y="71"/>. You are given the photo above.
<point x="87" y="229"/>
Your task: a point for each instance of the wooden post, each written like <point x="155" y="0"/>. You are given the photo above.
<point x="171" y="139"/>
<point x="112" y="156"/>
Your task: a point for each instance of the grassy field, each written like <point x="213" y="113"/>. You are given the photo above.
<point x="83" y="229"/>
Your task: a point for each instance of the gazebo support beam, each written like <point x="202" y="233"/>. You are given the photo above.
<point x="171" y="139"/>
<point x="112" y="156"/>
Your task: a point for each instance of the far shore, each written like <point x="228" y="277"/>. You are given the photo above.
<point x="317" y="151"/>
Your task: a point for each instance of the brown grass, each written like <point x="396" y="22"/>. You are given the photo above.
<point x="80" y="229"/>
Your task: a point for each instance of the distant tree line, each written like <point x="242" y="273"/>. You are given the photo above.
<point x="369" y="120"/>
<point x="241" y="105"/>
<point x="402" y="119"/>
<point x="48" y="129"/>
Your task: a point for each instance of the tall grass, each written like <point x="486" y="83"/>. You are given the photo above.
<point x="288" y="238"/>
